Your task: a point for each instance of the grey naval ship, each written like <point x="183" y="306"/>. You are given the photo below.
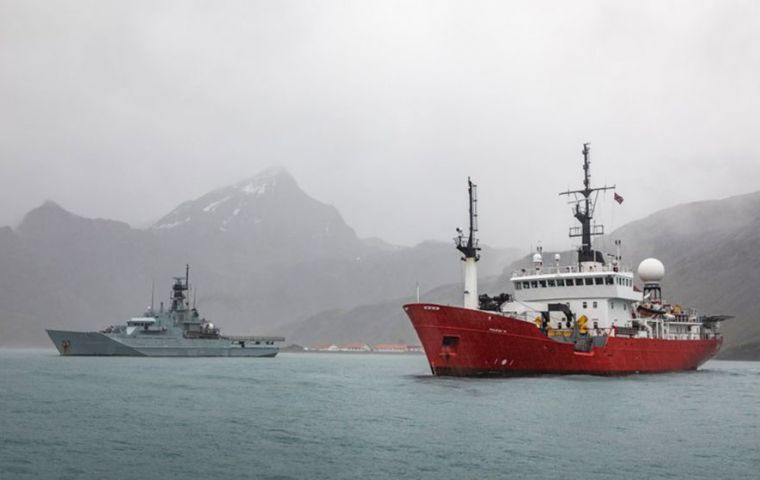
<point x="175" y="332"/>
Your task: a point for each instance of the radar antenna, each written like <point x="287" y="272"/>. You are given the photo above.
<point x="584" y="212"/>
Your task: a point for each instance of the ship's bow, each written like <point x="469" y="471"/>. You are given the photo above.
<point x="88" y="343"/>
<point x="467" y="342"/>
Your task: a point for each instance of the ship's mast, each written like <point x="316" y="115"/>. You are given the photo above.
<point x="152" y="295"/>
<point x="584" y="212"/>
<point x="469" y="245"/>
<point x="187" y="282"/>
<point x="179" y="300"/>
<point x="469" y="248"/>
<point x="177" y="296"/>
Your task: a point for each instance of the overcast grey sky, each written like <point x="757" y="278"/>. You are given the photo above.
<point x="124" y="109"/>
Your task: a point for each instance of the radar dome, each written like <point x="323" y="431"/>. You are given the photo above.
<point x="537" y="258"/>
<point x="651" y="270"/>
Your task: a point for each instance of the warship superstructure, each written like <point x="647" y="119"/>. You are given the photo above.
<point x="177" y="331"/>
<point x="586" y="317"/>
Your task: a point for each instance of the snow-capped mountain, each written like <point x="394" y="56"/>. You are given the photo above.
<point x="268" y="210"/>
<point x="222" y="208"/>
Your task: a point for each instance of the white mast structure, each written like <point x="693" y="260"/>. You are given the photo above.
<point x="469" y="248"/>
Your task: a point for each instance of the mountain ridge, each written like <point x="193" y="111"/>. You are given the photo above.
<point x="304" y="270"/>
<point x="63" y="270"/>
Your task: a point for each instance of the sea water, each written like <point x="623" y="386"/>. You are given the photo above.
<point x="341" y="416"/>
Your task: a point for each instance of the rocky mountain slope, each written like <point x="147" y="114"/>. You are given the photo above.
<point x="377" y="323"/>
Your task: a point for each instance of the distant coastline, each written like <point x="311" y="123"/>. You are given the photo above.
<point x="386" y="348"/>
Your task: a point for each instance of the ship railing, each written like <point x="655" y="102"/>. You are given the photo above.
<point x="683" y="336"/>
<point x="553" y="269"/>
<point x="534" y="315"/>
<point x="252" y="338"/>
<point x="463" y="241"/>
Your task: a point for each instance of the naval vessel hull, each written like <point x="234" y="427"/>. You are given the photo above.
<point x="466" y="342"/>
<point x="74" y="343"/>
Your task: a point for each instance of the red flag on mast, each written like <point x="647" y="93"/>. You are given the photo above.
<point x="618" y="198"/>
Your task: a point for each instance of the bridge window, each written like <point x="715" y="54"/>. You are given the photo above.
<point x="561" y="282"/>
<point x="550" y="283"/>
<point x="585" y="304"/>
<point x="589" y="281"/>
<point x="609" y="281"/>
<point x="599" y="281"/>
<point x="542" y="283"/>
<point x="526" y="285"/>
<point x="518" y="286"/>
<point x="534" y="284"/>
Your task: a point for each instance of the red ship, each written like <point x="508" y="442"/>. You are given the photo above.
<point x="584" y="318"/>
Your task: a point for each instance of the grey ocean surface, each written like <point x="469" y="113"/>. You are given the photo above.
<point x="313" y="416"/>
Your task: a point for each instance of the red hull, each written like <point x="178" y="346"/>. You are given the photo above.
<point x="488" y="344"/>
